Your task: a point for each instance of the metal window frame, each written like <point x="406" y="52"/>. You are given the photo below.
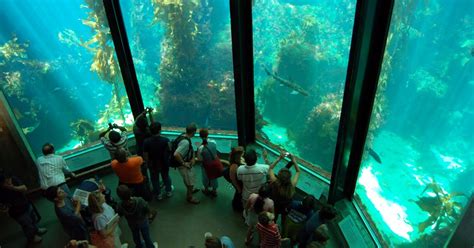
<point x="242" y="53"/>
<point x="124" y="55"/>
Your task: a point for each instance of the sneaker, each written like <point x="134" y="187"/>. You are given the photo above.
<point x="155" y="244"/>
<point x="206" y="192"/>
<point x="41" y="231"/>
<point x="36" y="239"/>
<point x="169" y="194"/>
<point x="213" y="193"/>
<point x="193" y="200"/>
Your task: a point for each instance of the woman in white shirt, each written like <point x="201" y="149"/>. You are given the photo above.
<point x="107" y="233"/>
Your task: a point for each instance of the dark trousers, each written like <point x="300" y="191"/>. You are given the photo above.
<point x="142" y="231"/>
<point x="155" y="179"/>
<point x="237" y="201"/>
<point x="28" y="221"/>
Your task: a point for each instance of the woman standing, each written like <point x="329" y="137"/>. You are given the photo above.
<point x="107" y="233"/>
<point x="256" y="204"/>
<point x="230" y="174"/>
<point x="211" y="164"/>
<point x="283" y="187"/>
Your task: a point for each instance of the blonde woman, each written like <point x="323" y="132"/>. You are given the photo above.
<point x="283" y="187"/>
<point x="107" y="232"/>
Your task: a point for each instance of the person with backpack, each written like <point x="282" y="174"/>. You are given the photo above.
<point x="136" y="211"/>
<point x="156" y="154"/>
<point x="211" y="164"/>
<point x="183" y="159"/>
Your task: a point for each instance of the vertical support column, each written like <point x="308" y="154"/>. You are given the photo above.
<point x="124" y="55"/>
<point x="371" y="26"/>
<point x="242" y="50"/>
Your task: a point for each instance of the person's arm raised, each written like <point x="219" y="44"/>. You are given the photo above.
<point x="271" y="173"/>
<point x="296" y="177"/>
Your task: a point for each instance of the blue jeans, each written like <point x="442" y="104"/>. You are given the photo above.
<point x="155" y="179"/>
<point x="144" y="230"/>
<point x="28" y="222"/>
<point x="206" y="182"/>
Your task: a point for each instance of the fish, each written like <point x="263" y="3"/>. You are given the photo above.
<point x="294" y="92"/>
<point x="287" y="83"/>
<point x="56" y="89"/>
<point x="27" y="130"/>
<point x="374" y="155"/>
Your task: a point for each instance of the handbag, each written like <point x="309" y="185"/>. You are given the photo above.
<point x="213" y="168"/>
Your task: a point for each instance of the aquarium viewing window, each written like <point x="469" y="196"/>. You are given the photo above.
<point x="301" y="51"/>
<point x="59" y="73"/>
<point x="182" y="53"/>
<point x="382" y="116"/>
<point x="416" y="175"/>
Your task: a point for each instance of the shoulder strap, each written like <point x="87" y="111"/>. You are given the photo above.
<point x="210" y="152"/>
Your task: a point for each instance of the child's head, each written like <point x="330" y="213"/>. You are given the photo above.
<point x="309" y="202"/>
<point x="327" y="213"/>
<point x="211" y="241"/>
<point x="124" y="193"/>
<point x="321" y="234"/>
<point x="265" y="218"/>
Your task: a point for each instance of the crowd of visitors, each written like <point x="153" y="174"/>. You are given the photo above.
<point x="261" y="194"/>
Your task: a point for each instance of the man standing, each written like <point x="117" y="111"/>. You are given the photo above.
<point x="156" y="154"/>
<point x="115" y="140"/>
<point x="252" y="175"/>
<point x="51" y="169"/>
<point x="184" y="156"/>
<point x="12" y="195"/>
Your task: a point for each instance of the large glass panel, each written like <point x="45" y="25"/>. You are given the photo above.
<point x="301" y="51"/>
<point x="182" y="53"/>
<point x="418" y="168"/>
<point x="59" y="72"/>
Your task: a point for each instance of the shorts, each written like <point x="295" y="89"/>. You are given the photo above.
<point x="188" y="175"/>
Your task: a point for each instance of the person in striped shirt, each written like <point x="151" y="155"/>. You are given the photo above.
<point x="114" y="140"/>
<point x="268" y="231"/>
<point x="51" y="169"/>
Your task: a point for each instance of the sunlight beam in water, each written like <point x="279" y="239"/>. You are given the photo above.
<point x="393" y="214"/>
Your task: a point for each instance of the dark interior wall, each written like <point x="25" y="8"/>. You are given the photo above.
<point x="14" y="157"/>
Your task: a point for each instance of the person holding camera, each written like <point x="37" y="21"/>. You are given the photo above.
<point x="114" y="139"/>
<point x="141" y="129"/>
<point x="283" y="186"/>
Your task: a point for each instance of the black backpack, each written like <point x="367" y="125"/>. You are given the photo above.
<point x="173" y="145"/>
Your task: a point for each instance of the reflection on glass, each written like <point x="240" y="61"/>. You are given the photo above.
<point x="59" y="72"/>
<point x="416" y="176"/>
<point x="301" y="51"/>
<point x="182" y="53"/>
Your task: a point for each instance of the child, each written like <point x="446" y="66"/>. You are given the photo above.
<point x="136" y="211"/>
<point x="268" y="231"/>
<point x="299" y="212"/>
